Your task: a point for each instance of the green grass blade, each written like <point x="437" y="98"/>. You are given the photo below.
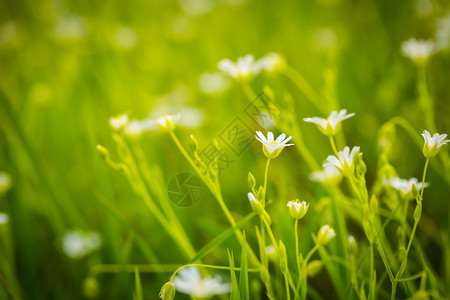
<point x="234" y="293"/>
<point x="137" y="295"/>
<point x="221" y="238"/>
<point x="244" y="272"/>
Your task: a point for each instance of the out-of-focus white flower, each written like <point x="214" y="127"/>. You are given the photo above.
<point x="69" y="27"/>
<point x="325" y="38"/>
<point x="433" y="143"/>
<point x="418" y="50"/>
<point x="443" y="33"/>
<point x="329" y="174"/>
<point x="345" y="160"/>
<point x="271" y="62"/>
<point x="189" y="281"/>
<point x="331" y="125"/>
<point x="125" y="38"/>
<point x="196" y="7"/>
<point x="404" y="186"/>
<point x="213" y="83"/>
<point x="5" y="182"/>
<point x="297" y="209"/>
<point x="244" y="67"/>
<point x="168" y="122"/>
<point x="119" y="122"/>
<point x="272" y="148"/>
<point x="4" y="218"/>
<point x="77" y="244"/>
<point x="326" y="234"/>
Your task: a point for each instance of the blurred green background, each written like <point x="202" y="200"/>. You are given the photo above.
<point x="66" y="67"/>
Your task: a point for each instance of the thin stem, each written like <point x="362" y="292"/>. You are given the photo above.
<point x="297" y="256"/>
<point x="423" y="178"/>
<point x="266" y="172"/>
<point x="333" y="145"/>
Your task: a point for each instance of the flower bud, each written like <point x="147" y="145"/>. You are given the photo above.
<point x="283" y="257"/>
<point x="167" y="291"/>
<point x="256" y="205"/>
<point x="352" y="246"/>
<point x="251" y="181"/>
<point x="193" y="145"/>
<point x="167" y="123"/>
<point x="314" y="267"/>
<point x="90" y="287"/>
<point x="374" y="203"/>
<point x="326" y="234"/>
<point x="414" y="191"/>
<point x="418" y="211"/>
<point x="297" y="209"/>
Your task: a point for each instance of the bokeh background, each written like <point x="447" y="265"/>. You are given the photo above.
<point x="66" y="67"/>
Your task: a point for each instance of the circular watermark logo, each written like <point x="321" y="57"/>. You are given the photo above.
<point x="184" y="189"/>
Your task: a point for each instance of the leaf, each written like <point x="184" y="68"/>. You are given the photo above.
<point x="244" y="272"/>
<point x="137" y="295"/>
<point x="234" y="293"/>
<point x="221" y="238"/>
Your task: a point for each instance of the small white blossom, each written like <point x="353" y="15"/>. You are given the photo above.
<point x="213" y="83"/>
<point x="272" y="148"/>
<point x="418" y="50"/>
<point x="329" y="174"/>
<point x="189" y="281"/>
<point x="405" y="187"/>
<point x="345" y="160"/>
<point x="168" y="122"/>
<point x="433" y="143"/>
<point x="4" y="218"/>
<point x="298" y="209"/>
<point x="270" y="63"/>
<point x="119" y="122"/>
<point x="77" y="244"/>
<point x="326" y="233"/>
<point x="331" y="125"/>
<point x="244" y="67"/>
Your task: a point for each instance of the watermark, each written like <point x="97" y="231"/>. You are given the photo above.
<point x="185" y="189"/>
<point x="260" y="114"/>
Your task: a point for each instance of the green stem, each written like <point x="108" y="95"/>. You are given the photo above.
<point x="333" y="146"/>
<point x="266" y="172"/>
<point x="425" y="100"/>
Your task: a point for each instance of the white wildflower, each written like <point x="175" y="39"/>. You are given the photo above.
<point x="433" y="143"/>
<point x="213" y="83"/>
<point x="329" y="174"/>
<point x="119" y="122"/>
<point x="272" y="148"/>
<point x="326" y="234"/>
<point x="418" y="50"/>
<point x="331" y="125"/>
<point x="189" y="281"/>
<point x="345" y="160"/>
<point x="77" y="244"/>
<point x="297" y="209"/>
<point x="244" y="67"/>
<point x="271" y="62"/>
<point x="405" y="187"/>
<point x="4" y="218"/>
<point x="168" y="122"/>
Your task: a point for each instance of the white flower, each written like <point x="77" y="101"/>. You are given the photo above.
<point x="331" y="125"/>
<point x="213" y="83"/>
<point x="5" y="182"/>
<point x="270" y="63"/>
<point x="418" y="50"/>
<point x="4" y="218"/>
<point x="77" y="244"/>
<point x="189" y="281"/>
<point x="119" y="122"/>
<point x="329" y="174"/>
<point x="168" y="122"/>
<point x="297" y="209"/>
<point x="326" y="233"/>
<point x="345" y="160"/>
<point x="405" y="187"/>
<point x="432" y="144"/>
<point x="242" y="69"/>
<point x="272" y="148"/>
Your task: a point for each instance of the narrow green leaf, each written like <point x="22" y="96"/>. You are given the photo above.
<point x="244" y="272"/>
<point x="221" y="238"/>
<point x="234" y="293"/>
<point x="137" y="295"/>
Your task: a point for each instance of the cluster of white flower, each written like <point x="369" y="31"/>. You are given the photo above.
<point x="418" y="50"/>
<point x="404" y="186"/>
<point x="189" y="281"/>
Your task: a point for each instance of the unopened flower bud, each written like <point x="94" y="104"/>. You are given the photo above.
<point x="167" y="291"/>
<point x="283" y="257"/>
<point x="297" y="209"/>
<point x="193" y="145"/>
<point x="167" y="123"/>
<point x="326" y="234"/>
<point x="256" y="205"/>
<point x="352" y="246"/>
<point x="314" y="267"/>
<point x="90" y="287"/>
<point x="251" y="181"/>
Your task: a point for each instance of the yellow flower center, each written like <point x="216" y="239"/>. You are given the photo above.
<point x="274" y="143"/>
